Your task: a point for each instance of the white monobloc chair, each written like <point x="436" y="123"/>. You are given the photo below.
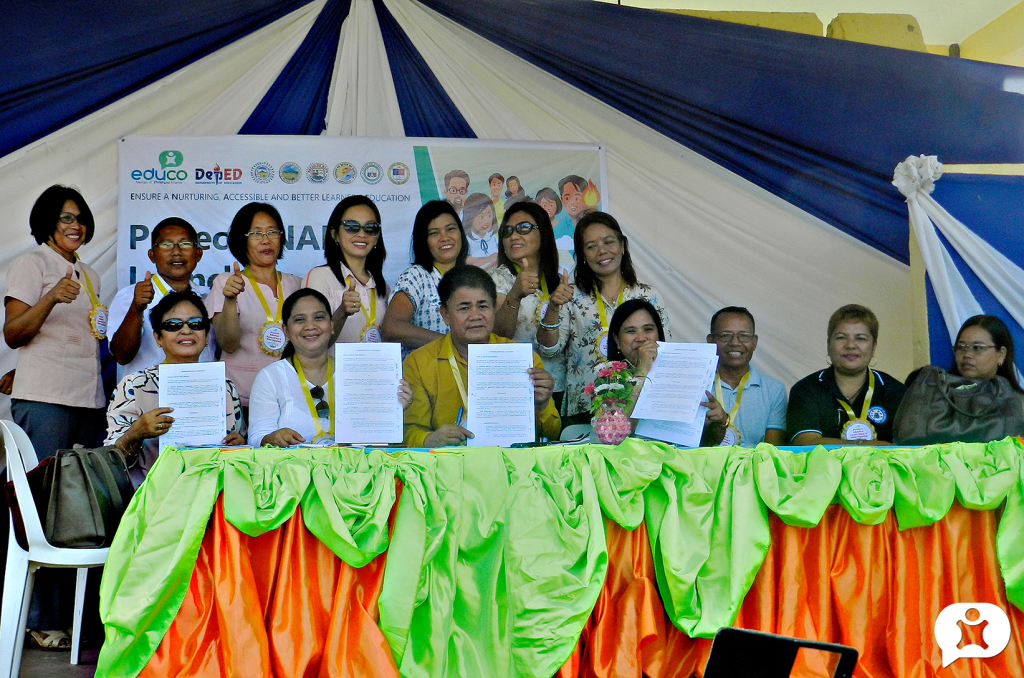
<point x="20" y="573"/>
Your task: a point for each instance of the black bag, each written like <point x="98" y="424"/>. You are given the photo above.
<point x="942" y="408"/>
<point x="89" y="490"/>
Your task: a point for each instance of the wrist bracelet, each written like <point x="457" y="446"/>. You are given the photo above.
<point x="509" y="304"/>
<point x="551" y="327"/>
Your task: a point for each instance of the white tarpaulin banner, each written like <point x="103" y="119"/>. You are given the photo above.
<point x="206" y="180"/>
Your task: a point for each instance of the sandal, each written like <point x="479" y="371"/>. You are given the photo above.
<point x="49" y="640"/>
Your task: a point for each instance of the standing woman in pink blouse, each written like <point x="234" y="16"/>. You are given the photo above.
<point x="55" y="321"/>
<point x="353" y="278"/>
<point x="246" y="304"/>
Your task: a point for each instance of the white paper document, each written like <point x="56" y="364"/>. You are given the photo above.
<point x="198" y="394"/>
<point x="366" y="406"/>
<point x="674" y="388"/>
<point x="500" y="409"/>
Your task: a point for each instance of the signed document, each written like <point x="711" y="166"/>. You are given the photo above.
<point x="198" y="394"/>
<point x="674" y="389"/>
<point x="500" y="395"/>
<point x="366" y="379"/>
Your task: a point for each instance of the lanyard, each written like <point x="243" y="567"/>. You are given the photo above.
<point x="317" y="426"/>
<point x="371" y="317"/>
<point x="867" y="400"/>
<point x="159" y="284"/>
<point x="600" y="308"/>
<point x="457" y="373"/>
<point x="263" y="300"/>
<point x="734" y="413"/>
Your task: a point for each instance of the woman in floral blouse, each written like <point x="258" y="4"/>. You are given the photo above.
<point x="604" y="279"/>
<point x="135" y="421"/>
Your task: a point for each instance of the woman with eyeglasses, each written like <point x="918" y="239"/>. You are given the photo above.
<point x="849" y="403"/>
<point x="531" y="293"/>
<point x="135" y="421"/>
<point x="439" y="244"/>
<point x="984" y="349"/>
<point x="293" y="399"/>
<point x="246" y="304"/>
<point x="353" y="278"/>
<point x="605" y="278"/>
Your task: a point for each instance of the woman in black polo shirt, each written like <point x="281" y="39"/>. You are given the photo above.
<point x="849" y="403"/>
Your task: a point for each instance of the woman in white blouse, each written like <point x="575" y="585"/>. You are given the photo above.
<point x="353" y="278"/>
<point x="531" y="294"/>
<point x="604" y="279"/>
<point x="292" y="400"/>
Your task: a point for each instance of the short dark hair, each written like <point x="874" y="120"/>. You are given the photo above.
<point x="520" y="190"/>
<point x="289" y="305"/>
<point x="579" y="182"/>
<point x="173" y="221"/>
<point x="240" y="225"/>
<point x="586" y="281"/>
<point x="548" y="249"/>
<point x="733" y="310"/>
<point x="548" y="193"/>
<point x="854" y="313"/>
<point x="42" y="220"/>
<point x="495" y="176"/>
<point x="622" y="313"/>
<point x="456" y="174"/>
<point x="374" y="258"/>
<point x="466" y="276"/>
<point x="421" y="224"/>
<point x="1001" y="337"/>
<point x="172" y="299"/>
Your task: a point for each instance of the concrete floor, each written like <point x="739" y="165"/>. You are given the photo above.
<point x="36" y="663"/>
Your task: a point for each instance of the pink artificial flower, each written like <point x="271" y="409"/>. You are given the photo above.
<point x="605" y="373"/>
<point x="589" y="390"/>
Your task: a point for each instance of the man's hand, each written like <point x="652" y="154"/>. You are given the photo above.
<point x="143" y="292"/>
<point x="447" y="434"/>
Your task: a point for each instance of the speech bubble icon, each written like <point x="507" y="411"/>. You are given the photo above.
<point x="170" y="159"/>
<point x="948" y="634"/>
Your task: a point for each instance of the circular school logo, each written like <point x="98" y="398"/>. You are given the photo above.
<point x="262" y="173"/>
<point x="398" y="173"/>
<point x="372" y="173"/>
<point x="317" y="172"/>
<point x="290" y="172"/>
<point x="877" y="415"/>
<point x="345" y="172"/>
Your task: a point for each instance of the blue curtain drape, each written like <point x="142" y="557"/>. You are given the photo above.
<point x="816" y="121"/>
<point x="63" y="60"/>
<point x="427" y="110"/>
<point x="297" y="101"/>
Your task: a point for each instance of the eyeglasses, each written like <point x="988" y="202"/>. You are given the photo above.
<point x="184" y="245"/>
<point x="69" y="218"/>
<point x="323" y="409"/>
<point x="272" y="234"/>
<point x="972" y="349"/>
<point x="522" y="228"/>
<point x="353" y="227"/>
<point x="726" y="337"/>
<point x="175" y="324"/>
<point x="453" y="190"/>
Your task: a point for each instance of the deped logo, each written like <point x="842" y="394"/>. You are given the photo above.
<point x="218" y="175"/>
<point x="170" y="169"/>
<point x="995" y="632"/>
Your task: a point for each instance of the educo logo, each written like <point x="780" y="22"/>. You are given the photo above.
<point x="169" y="171"/>
<point x="949" y="631"/>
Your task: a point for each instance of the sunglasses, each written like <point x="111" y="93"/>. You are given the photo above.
<point x="522" y="228"/>
<point x="353" y="227"/>
<point x="194" y="324"/>
<point x="323" y="410"/>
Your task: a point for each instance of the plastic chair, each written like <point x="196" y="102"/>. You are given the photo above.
<point x="20" y="573"/>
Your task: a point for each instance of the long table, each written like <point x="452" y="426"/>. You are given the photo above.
<point x="567" y="560"/>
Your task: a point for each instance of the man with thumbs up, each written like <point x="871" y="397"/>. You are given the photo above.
<point x="175" y="252"/>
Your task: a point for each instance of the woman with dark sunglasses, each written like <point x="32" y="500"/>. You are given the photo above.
<point x="531" y="293"/>
<point x="353" y="278"/>
<point x="135" y="421"/>
<point x="293" y="399"/>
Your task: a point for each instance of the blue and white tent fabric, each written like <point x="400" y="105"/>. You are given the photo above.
<point x="748" y="166"/>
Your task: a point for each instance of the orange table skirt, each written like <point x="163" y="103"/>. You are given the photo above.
<point x="283" y="605"/>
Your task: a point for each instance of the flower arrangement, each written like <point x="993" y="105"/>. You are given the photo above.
<point x="612" y="388"/>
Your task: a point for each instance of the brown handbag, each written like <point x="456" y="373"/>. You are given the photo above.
<point x="942" y="408"/>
